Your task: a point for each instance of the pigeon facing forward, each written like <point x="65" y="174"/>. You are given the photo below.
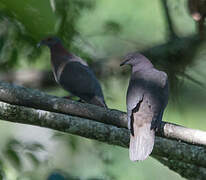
<point x="73" y="74"/>
<point x="147" y="97"/>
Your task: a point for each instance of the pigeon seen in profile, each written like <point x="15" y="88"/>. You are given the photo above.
<point x="147" y="97"/>
<point x="73" y="73"/>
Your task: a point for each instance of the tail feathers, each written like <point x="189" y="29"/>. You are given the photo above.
<point x="98" y="101"/>
<point x="141" y="144"/>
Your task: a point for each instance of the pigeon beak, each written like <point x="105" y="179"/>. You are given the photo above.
<point x="124" y="62"/>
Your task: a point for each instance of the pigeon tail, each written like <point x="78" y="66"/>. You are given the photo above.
<point x="141" y="144"/>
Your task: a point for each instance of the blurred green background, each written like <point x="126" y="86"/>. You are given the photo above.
<point x="100" y="31"/>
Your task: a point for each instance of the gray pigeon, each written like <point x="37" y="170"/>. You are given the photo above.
<point x="73" y="74"/>
<point x="147" y="97"/>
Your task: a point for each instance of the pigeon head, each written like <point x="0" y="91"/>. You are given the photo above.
<point x="50" y="41"/>
<point x="135" y="59"/>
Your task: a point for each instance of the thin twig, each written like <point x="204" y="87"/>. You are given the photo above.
<point x="171" y="31"/>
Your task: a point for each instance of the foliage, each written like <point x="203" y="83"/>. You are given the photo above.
<point x="18" y="155"/>
<point x="19" y="35"/>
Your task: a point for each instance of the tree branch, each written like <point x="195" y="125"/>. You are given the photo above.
<point x="19" y="95"/>
<point x="186" y="170"/>
<point x="89" y="121"/>
<point x="65" y="123"/>
<point x="36" y="99"/>
<point x="110" y="134"/>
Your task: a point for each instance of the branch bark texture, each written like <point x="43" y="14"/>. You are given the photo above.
<point x="102" y="132"/>
<point x="174" y="154"/>
<point x="32" y="107"/>
<point x="22" y="96"/>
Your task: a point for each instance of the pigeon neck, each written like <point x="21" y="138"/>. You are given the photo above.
<point x="58" y="49"/>
<point x="58" y="56"/>
<point x="142" y="67"/>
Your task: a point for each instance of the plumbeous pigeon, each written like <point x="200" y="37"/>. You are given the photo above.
<point x="147" y="97"/>
<point x="73" y="73"/>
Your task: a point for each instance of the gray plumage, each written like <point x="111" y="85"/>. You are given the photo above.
<point x="147" y="97"/>
<point x="73" y="73"/>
